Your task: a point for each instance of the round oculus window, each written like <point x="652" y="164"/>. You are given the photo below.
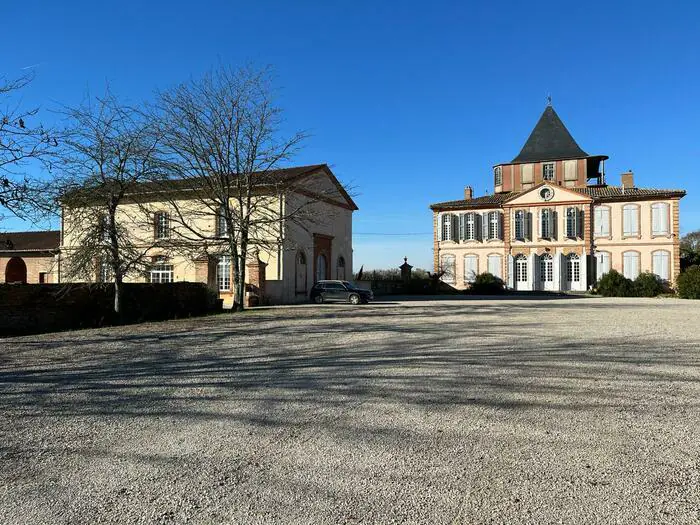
<point x="546" y="193"/>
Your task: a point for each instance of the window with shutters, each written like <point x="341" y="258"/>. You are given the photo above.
<point x="447" y="223"/>
<point x="494" y="225"/>
<point x="570" y="167"/>
<point x="630" y="264"/>
<point x="494" y="265"/>
<point x="105" y="273"/>
<point x="161" y="271"/>
<point x="630" y="220"/>
<point x="573" y="268"/>
<point x="602" y="264"/>
<point x="497" y="176"/>
<point x="519" y="225"/>
<point x="546" y="268"/>
<point x="601" y="221"/>
<point x="660" y="218"/>
<point x="548" y="172"/>
<point x="221" y="225"/>
<point x="547" y="223"/>
<point x="223" y="273"/>
<point x="162" y="225"/>
<point x="448" y="268"/>
<point x="521" y="268"/>
<point x="661" y="264"/>
<point x="527" y="173"/>
<point x="470" y="226"/>
<point x="471" y="268"/>
<point x="572" y="227"/>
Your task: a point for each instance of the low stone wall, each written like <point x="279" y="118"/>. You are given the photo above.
<point x="38" y="308"/>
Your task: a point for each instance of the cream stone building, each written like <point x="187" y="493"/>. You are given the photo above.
<point x="554" y="224"/>
<point x="294" y="254"/>
<point x="29" y="257"/>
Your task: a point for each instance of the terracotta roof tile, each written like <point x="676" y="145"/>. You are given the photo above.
<point x="598" y="193"/>
<point x="30" y="241"/>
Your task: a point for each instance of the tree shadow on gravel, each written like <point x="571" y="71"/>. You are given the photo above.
<point x="268" y="368"/>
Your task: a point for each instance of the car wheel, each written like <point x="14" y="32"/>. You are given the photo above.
<point x="318" y="299"/>
<point x="354" y="299"/>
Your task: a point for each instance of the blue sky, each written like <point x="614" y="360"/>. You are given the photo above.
<point x="407" y="101"/>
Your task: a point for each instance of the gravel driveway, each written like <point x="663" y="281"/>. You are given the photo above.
<point x="457" y="411"/>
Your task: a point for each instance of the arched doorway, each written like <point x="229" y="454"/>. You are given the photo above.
<point x="521" y="272"/>
<point x="16" y="271"/>
<point x="321" y="267"/>
<point x="300" y="273"/>
<point x="546" y="272"/>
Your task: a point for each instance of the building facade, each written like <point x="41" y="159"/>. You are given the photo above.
<point x="29" y="257"/>
<point x="554" y="224"/>
<point x="295" y="254"/>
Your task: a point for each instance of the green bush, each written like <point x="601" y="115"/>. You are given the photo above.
<point x="688" y="283"/>
<point x="614" y="284"/>
<point x="648" y="285"/>
<point x="486" y="284"/>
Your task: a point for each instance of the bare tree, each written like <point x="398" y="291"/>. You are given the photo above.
<point x="108" y="151"/>
<point x="223" y="142"/>
<point x="22" y="142"/>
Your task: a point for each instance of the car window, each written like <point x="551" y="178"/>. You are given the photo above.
<point x="334" y="286"/>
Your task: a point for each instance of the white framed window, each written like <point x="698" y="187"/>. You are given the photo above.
<point x="494" y="225"/>
<point x="105" y="275"/>
<point x="162" y="225"/>
<point x="548" y="223"/>
<point x="221" y="226"/>
<point x="573" y="268"/>
<point x="660" y="218"/>
<point x="572" y="223"/>
<point x="521" y="268"/>
<point x="494" y="265"/>
<point x="519" y="225"/>
<point x="602" y="264"/>
<point x="630" y="264"/>
<point x="448" y="268"/>
<point x="470" y="226"/>
<point x="661" y="264"/>
<point x="546" y="268"/>
<point x="223" y="273"/>
<point x="447" y="227"/>
<point x="630" y="220"/>
<point x="471" y="268"/>
<point x="548" y="171"/>
<point x="498" y="176"/>
<point x="161" y="271"/>
<point x="601" y="221"/>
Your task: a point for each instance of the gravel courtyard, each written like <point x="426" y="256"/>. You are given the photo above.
<point x="456" y="411"/>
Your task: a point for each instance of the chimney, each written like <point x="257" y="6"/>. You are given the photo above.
<point x="468" y="193"/>
<point x="627" y="180"/>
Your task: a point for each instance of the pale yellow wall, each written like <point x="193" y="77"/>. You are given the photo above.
<point x="646" y="243"/>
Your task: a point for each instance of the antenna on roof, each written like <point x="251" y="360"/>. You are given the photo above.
<point x="549" y="100"/>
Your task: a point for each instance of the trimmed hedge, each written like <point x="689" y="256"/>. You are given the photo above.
<point x="614" y="284"/>
<point x="38" y="308"/>
<point x="486" y="284"/>
<point x="688" y="283"/>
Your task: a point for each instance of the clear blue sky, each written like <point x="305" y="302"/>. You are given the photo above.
<point x="407" y="101"/>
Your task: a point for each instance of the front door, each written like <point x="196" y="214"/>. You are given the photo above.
<point x="521" y="272"/>
<point x="546" y="272"/>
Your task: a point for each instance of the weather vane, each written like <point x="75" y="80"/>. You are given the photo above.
<point x="549" y="100"/>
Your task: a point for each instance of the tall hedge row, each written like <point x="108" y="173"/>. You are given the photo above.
<point x="38" y="308"/>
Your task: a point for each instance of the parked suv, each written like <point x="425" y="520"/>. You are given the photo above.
<point x="344" y="291"/>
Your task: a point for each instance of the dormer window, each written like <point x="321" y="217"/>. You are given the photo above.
<point x="548" y="172"/>
<point x="498" y="175"/>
